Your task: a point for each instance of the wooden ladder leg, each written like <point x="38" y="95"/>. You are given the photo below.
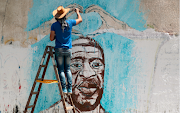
<point x="34" y="84"/>
<point x="72" y="104"/>
<point x="40" y="85"/>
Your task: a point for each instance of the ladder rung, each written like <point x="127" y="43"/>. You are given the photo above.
<point x="43" y="65"/>
<point x="35" y="92"/>
<point x="69" y="108"/>
<point x="39" y="79"/>
<point x="49" y="52"/>
<point x="30" y="106"/>
<point x="47" y="81"/>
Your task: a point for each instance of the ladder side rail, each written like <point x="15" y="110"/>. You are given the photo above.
<point x="31" y="93"/>
<point x="59" y="82"/>
<point x="72" y="104"/>
<point x="34" y="84"/>
<point x="40" y="85"/>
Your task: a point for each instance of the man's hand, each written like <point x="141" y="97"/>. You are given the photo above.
<point x="76" y="10"/>
<point x="79" y="20"/>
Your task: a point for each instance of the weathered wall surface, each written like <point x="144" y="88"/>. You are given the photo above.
<point x="162" y="15"/>
<point x="133" y="66"/>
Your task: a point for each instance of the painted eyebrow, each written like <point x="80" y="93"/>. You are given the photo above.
<point x="86" y="52"/>
<point x="96" y="58"/>
<point x="79" y="57"/>
<point x="91" y="59"/>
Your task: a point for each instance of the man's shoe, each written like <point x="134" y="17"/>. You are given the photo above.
<point x="64" y="90"/>
<point x="69" y="90"/>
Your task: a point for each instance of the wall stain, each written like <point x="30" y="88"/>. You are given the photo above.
<point x="16" y="109"/>
<point x="2" y="40"/>
<point x="9" y="42"/>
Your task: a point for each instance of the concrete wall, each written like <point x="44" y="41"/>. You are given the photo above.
<point x="135" y="45"/>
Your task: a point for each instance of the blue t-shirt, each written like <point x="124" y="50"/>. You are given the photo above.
<point x="63" y="40"/>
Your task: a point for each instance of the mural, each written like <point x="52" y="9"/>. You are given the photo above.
<point x="116" y="61"/>
<point x="88" y="63"/>
<point x="89" y="92"/>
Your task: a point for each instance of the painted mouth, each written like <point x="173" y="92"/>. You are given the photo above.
<point x="88" y="88"/>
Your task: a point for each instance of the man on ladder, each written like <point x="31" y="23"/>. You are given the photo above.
<point x="61" y="32"/>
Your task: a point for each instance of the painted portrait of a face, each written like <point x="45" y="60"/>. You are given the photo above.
<point x="87" y="67"/>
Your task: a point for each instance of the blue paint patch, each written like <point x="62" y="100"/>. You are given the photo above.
<point x="74" y="37"/>
<point x="119" y="92"/>
<point x="91" y="22"/>
<point x="124" y="10"/>
<point x="2" y="40"/>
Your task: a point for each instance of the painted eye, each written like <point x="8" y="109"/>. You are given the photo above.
<point x="96" y="65"/>
<point x="76" y="65"/>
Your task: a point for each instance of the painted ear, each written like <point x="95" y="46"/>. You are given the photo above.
<point x="108" y="21"/>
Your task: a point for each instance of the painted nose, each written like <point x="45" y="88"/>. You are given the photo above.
<point x="87" y="71"/>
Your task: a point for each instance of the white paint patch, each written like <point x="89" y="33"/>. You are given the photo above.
<point x="14" y="74"/>
<point x="39" y="37"/>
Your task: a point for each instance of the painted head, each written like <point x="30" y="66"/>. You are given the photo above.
<point x="87" y="67"/>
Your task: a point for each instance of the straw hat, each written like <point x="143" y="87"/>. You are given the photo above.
<point x="60" y="12"/>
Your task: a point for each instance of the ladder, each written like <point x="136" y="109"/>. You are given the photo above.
<point x="50" y="51"/>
